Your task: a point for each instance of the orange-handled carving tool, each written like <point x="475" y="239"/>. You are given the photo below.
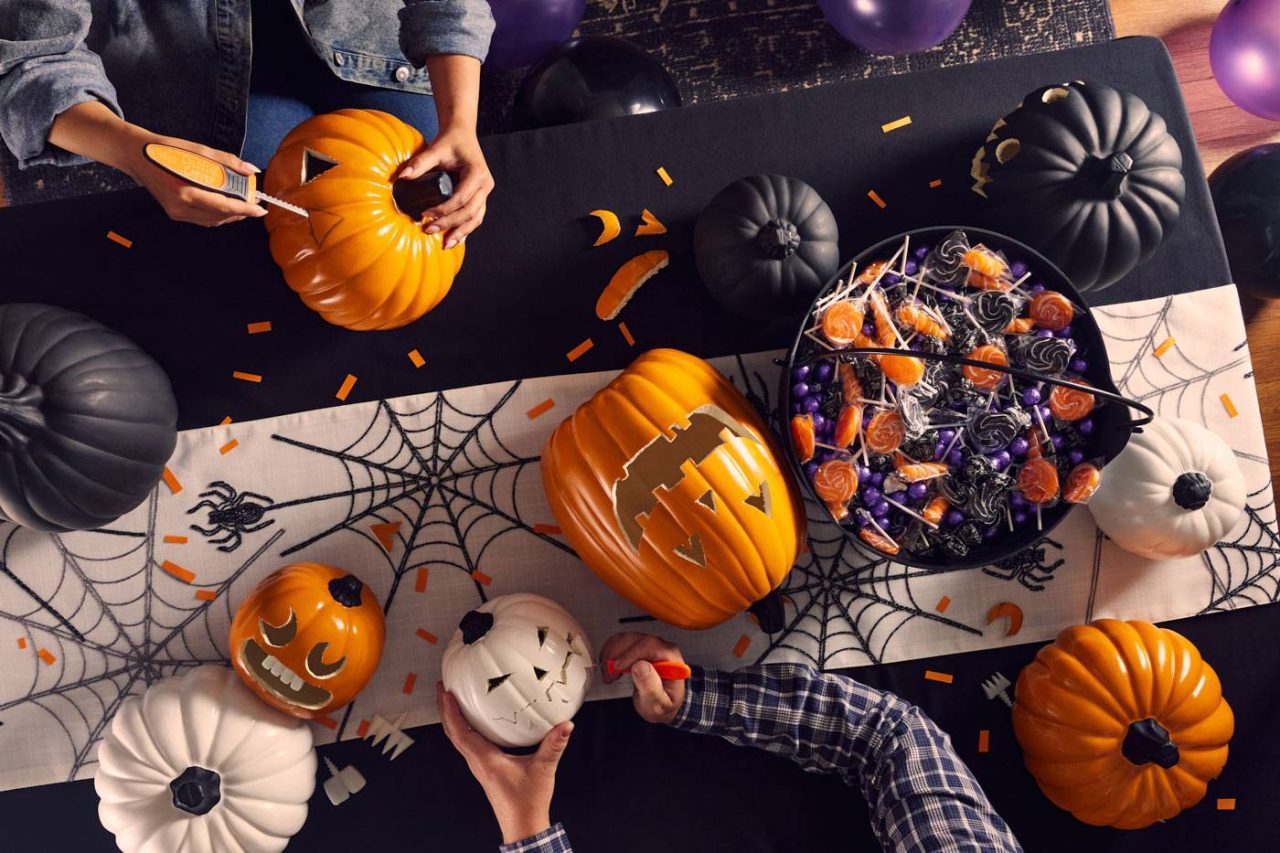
<point x="668" y="670"/>
<point x="211" y="175"/>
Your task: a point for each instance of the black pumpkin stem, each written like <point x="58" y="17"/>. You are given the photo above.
<point x="778" y="239"/>
<point x="415" y="196"/>
<point x="1148" y="742"/>
<point x="1192" y="490"/>
<point x="346" y="590"/>
<point x="1113" y="171"/>
<point x="196" y="790"/>
<point x="768" y="612"/>
<point x="20" y="415"/>
<point x="474" y="625"/>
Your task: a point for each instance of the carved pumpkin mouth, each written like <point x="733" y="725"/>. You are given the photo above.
<point x="660" y="464"/>
<point x="271" y="673"/>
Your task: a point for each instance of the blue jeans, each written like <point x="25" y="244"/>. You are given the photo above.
<point x="289" y="84"/>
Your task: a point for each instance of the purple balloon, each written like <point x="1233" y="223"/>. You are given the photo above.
<point x="894" y="26"/>
<point x="528" y="30"/>
<point x="1244" y="51"/>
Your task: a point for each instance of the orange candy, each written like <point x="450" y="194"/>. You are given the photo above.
<point x="842" y="323"/>
<point x="1082" y="482"/>
<point x="872" y="271"/>
<point x="878" y="541"/>
<point x="902" y="369"/>
<point x="847" y="425"/>
<point x="1051" y="310"/>
<point x="802" y="436"/>
<point x="885" y="334"/>
<point x="1038" y="481"/>
<point x="1020" y="326"/>
<point x="919" y="319"/>
<point x="981" y="377"/>
<point x="985" y="262"/>
<point x="850" y="388"/>
<point x="1070" y="404"/>
<point x="836" y="482"/>
<point x="913" y="472"/>
<point x="885" y="432"/>
<point x="985" y="282"/>
<point x="838" y="511"/>
<point x="935" y="510"/>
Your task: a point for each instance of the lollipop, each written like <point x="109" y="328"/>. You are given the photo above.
<point x="802" y="436"/>
<point x="836" y="482"/>
<point x="850" y="387"/>
<point x="935" y="509"/>
<point x="1042" y="355"/>
<point x="1082" y="482"/>
<point x="1051" y="310"/>
<point x="945" y="264"/>
<point x="1020" y="326"/>
<point x="842" y="323"/>
<point x="914" y="472"/>
<point x="878" y="540"/>
<point x="885" y="432"/>
<point x="981" y="377"/>
<point x="994" y="310"/>
<point x="985" y="263"/>
<point x="994" y="430"/>
<point x="1070" y="404"/>
<point x="847" y="426"/>
<point x="902" y="369"/>
<point x="1038" y="481"/>
<point x="919" y="319"/>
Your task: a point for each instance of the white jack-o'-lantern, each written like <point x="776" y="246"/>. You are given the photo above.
<point x="518" y="665"/>
<point x="1173" y="491"/>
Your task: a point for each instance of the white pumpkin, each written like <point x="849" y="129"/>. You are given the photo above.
<point x="198" y="764"/>
<point x="518" y="666"/>
<point x="1173" y="491"/>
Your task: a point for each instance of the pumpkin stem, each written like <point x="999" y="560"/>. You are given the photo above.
<point x="1148" y="742"/>
<point x="475" y="625"/>
<point x="1108" y="174"/>
<point x="768" y="612"/>
<point x="20" y="415"/>
<point x="1192" y="490"/>
<point x="346" y="590"/>
<point x="778" y="239"/>
<point x="415" y="196"/>
<point x="196" y="790"/>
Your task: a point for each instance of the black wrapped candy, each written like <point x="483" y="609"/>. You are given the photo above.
<point x="954" y="490"/>
<point x="1041" y="355"/>
<point x="915" y="418"/>
<point x="988" y="498"/>
<point x="976" y="468"/>
<point x="920" y="448"/>
<point x="994" y="430"/>
<point x="970" y="533"/>
<point x="953" y="547"/>
<point x="945" y="264"/>
<point x="882" y="463"/>
<point x="993" y="310"/>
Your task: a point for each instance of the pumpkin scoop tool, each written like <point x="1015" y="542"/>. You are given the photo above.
<point x="211" y="175"/>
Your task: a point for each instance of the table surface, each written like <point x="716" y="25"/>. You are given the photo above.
<point x="1221" y="129"/>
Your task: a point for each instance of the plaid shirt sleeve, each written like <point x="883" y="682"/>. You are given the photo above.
<point x="921" y="795"/>
<point x="551" y="840"/>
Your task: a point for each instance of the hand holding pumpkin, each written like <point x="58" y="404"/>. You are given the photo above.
<point x="519" y="787"/>
<point x="457" y="151"/>
<point x="656" y="701"/>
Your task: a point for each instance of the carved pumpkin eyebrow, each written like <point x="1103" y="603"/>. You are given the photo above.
<point x="543" y="630"/>
<point x="497" y="681"/>
<point x="279" y="635"/>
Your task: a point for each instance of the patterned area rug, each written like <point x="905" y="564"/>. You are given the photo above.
<point x="717" y="49"/>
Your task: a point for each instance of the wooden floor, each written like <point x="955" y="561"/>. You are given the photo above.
<point x="1222" y="129"/>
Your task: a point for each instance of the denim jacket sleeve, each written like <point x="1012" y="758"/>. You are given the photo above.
<point x="45" y="69"/>
<point x="429" y="27"/>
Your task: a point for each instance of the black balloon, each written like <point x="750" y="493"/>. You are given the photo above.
<point x="590" y="78"/>
<point x="1246" y="196"/>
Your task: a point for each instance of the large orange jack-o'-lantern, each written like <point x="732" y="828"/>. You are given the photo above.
<point x="358" y="259"/>
<point x="667" y="484"/>
<point x="308" y="639"/>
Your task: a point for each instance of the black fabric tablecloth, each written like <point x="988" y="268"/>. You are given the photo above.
<point x="525" y="298"/>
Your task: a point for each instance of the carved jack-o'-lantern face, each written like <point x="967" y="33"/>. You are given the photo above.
<point x="358" y="259"/>
<point x="667" y="484"/>
<point x="308" y="639"/>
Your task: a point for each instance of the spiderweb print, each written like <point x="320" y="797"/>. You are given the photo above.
<point x="1243" y="569"/>
<point x="100" y="618"/>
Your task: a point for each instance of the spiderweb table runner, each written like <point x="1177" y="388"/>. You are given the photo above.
<point x="436" y="501"/>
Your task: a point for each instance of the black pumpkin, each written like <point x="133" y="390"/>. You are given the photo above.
<point x="87" y="420"/>
<point x="1085" y="173"/>
<point x="1246" y="197"/>
<point x="766" y="245"/>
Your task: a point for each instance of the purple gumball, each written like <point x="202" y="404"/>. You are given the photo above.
<point x="1244" y="51"/>
<point x="528" y="30"/>
<point x="894" y="26"/>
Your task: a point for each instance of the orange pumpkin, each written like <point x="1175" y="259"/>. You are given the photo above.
<point x="358" y="260"/>
<point x="1122" y="723"/>
<point x="667" y="484"/>
<point x="308" y="639"/>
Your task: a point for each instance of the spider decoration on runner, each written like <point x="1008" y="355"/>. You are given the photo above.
<point x="231" y="515"/>
<point x="1031" y="567"/>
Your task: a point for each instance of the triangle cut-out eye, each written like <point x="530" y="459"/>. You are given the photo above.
<point x="497" y="681"/>
<point x="539" y="673"/>
<point x="543" y="630"/>
<point x="314" y="165"/>
<point x="708" y="500"/>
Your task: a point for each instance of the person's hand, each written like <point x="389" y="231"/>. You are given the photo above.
<point x="185" y="202"/>
<point x="656" y="700"/>
<point x="456" y="151"/>
<point x="519" y="787"/>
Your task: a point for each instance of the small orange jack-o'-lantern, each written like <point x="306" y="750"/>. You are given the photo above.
<point x="308" y="639"/>
<point x="358" y="259"/>
<point x="667" y="484"/>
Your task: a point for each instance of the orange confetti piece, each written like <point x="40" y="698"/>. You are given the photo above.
<point x="666" y="178"/>
<point x="362" y="729"/>
<point x="22" y="642"/>
<point x="225" y="421"/>
<point x="481" y="577"/>
<point x="327" y="721"/>
<point x="1229" y="406"/>
<point x="889" y="127"/>
<point x="347" y="385"/>
<point x="171" y="480"/>
<point x="1226" y="804"/>
<point x="117" y="238"/>
<point x="178" y="572"/>
<point x="416" y="358"/>
<point x="47" y="656"/>
<point x="229" y="446"/>
<point x="580" y="350"/>
<point x="740" y="647"/>
<point x="935" y="183"/>
<point x="549" y="529"/>
<point x="410" y="680"/>
<point x="259" y="328"/>
<point x="1165" y="346"/>
<point x="650" y="225"/>
<point x="206" y="594"/>
<point x="427" y="635"/>
<point x="175" y="540"/>
<point x="246" y="377"/>
<point x="875" y="196"/>
<point x="943" y="604"/>
<point x="984" y="740"/>
<point x="626" y="334"/>
<point x="541" y="409"/>
<point x="385" y="533"/>
<point x="420" y="582"/>
<point x="940" y="677"/>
